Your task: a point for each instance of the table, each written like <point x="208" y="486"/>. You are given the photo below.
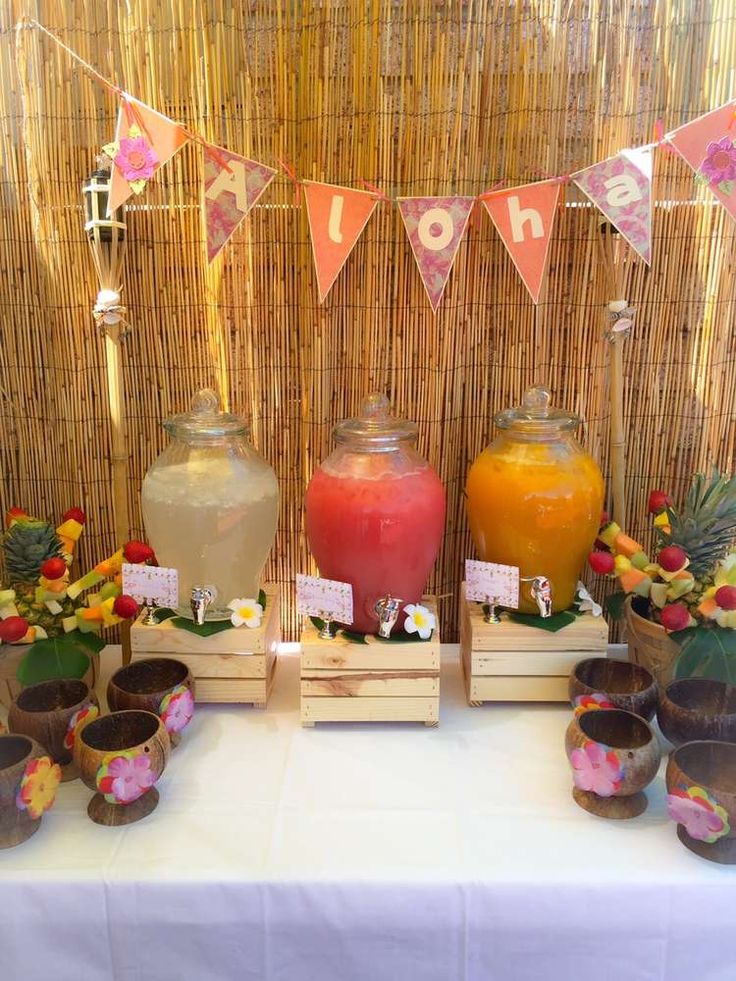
<point x="356" y="852"/>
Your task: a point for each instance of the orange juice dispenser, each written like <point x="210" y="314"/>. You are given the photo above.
<point x="534" y="499"/>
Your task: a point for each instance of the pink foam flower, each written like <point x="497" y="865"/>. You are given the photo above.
<point x="136" y="159"/>
<point x="701" y="815"/>
<point x="596" y="768"/>
<point x="720" y="162"/>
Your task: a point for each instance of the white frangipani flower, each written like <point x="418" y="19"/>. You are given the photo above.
<point x="419" y="620"/>
<point x="586" y="601"/>
<point x="246" y="612"/>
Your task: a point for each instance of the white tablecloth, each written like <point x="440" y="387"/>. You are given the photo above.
<point x="360" y="852"/>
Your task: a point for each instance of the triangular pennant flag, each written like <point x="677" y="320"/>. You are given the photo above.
<point x="337" y="217"/>
<point x="144" y="141"/>
<point x="524" y="217"/>
<point x="435" y="227"/>
<point x="708" y="144"/>
<point x="232" y="185"/>
<point x="621" y="187"/>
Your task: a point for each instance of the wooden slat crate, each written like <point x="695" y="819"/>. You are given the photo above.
<point x="235" y="665"/>
<point x="511" y="662"/>
<point x="379" y="681"/>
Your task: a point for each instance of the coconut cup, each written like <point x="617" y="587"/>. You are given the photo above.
<point x="160" y="685"/>
<point x="121" y="756"/>
<point x="613" y="755"/>
<point x="52" y="713"/>
<point x="28" y="782"/>
<point x="696" y="709"/>
<point x="701" y="798"/>
<point x="604" y="682"/>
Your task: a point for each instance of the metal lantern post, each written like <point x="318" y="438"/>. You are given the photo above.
<point x="106" y="238"/>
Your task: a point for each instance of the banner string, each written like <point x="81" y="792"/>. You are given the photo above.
<point x="129" y="107"/>
<point x="291" y="174"/>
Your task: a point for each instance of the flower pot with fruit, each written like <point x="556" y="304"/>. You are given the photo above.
<point x="51" y="627"/>
<point x="680" y="604"/>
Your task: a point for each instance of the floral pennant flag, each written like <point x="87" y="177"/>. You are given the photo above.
<point x="144" y="141"/>
<point x="435" y="227"/>
<point x="524" y="217"/>
<point x="621" y="187"/>
<point x="337" y="217"/>
<point x="708" y="144"/>
<point x="232" y="185"/>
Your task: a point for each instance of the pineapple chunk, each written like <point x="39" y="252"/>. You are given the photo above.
<point x="86" y="582"/>
<point x="94" y="599"/>
<point x="69" y="624"/>
<point x="70" y="529"/>
<point x="9" y="610"/>
<point x="7" y="596"/>
<point x="53" y="607"/>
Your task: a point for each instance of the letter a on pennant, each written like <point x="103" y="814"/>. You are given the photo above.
<point x="435" y="227"/>
<point x="524" y="217"/>
<point x="621" y="187"/>
<point x="708" y="144"/>
<point x="232" y="185"/>
<point x="337" y="217"/>
<point x="160" y="138"/>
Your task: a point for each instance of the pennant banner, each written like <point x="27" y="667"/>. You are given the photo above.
<point x="232" y="185"/>
<point x="524" y="217"/>
<point x="435" y="227"/>
<point x="708" y="144"/>
<point x="621" y="187"/>
<point x="337" y="217"/>
<point x="144" y="141"/>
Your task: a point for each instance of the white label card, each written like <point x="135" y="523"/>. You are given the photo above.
<point x="324" y="598"/>
<point x="152" y="584"/>
<point x="489" y="581"/>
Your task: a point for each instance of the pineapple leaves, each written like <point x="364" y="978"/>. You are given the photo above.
<point x="706" y="526"/>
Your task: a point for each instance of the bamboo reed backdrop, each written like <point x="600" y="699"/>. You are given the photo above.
<point x="422" y="97"/>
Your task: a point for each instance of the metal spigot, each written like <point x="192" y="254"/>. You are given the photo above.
<point x="541" y="591"/>
<point x="387" y="610"/>
<point x="200" y="600"/>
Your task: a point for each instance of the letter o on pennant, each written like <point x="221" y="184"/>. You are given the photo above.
<point x="430" y="240"/>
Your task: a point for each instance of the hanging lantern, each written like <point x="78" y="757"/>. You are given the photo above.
<point x="106" y="238"/>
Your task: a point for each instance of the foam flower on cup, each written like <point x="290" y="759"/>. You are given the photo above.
<point x="245" y="613"/>
<point x="596" y="768"/>
<point x="701" y="815"/>
<point x="124" y="777"/>
<point x="596" y="701"/>
<point x="38" y="786"/>
<point x="134" y="157"/>
<point x="419" y="620"/>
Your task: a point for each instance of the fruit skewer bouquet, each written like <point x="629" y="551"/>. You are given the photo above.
<point x="61" y="621"/>
<point x="689" y="587"/>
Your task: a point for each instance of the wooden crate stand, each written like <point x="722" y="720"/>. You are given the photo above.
<point x="235" y="665"/>
<point x="512" y="662"/>
<point x="379" y="681"/>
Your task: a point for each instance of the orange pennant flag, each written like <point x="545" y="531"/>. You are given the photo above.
<point x="337" y="217"/>
<point x="524" y="217"/>
<point x="144" y="141"/>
